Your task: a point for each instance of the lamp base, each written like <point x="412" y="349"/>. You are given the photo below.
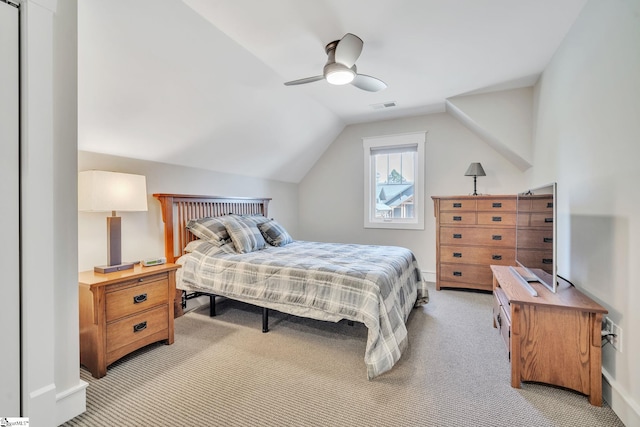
<point x="111" y="268"/>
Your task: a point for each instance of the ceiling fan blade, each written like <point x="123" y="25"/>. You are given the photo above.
<point x="348" y="49"/>
<point x="368" y="83"/>
<point x="305" y="80"/>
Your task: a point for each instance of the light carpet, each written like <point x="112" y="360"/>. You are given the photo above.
<point x="224" y="371"/>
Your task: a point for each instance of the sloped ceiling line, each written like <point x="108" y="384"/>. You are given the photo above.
<point x="487" y="136"/>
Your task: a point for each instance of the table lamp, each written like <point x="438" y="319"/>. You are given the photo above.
<point x="102" y="191"/>
<point x="475" y="170"/>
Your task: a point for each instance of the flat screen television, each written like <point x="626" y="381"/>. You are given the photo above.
<point x="536" y="245"/>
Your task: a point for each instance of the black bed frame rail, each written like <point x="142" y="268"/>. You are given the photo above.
<point x="212" y="306"/>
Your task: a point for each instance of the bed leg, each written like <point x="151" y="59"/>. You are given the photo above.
<point x="265" y="320"/>
<point x="212" y="305"/>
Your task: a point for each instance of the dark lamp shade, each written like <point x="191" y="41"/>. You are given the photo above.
<point x="475" y="169"/>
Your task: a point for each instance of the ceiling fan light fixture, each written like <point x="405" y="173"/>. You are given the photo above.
<point x="338" y="74"/>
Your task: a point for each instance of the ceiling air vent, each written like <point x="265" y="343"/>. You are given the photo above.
<point x="383" y="105"/>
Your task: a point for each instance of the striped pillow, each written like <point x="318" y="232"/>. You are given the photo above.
<point x="274" y="233"/>
<point x="244" y="234"/>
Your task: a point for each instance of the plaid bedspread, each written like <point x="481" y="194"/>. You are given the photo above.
<point x="375" y="285"/>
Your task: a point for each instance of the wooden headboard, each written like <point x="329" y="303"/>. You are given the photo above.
<point x="178" y="209"/>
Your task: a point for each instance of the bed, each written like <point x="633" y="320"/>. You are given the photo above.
<point x="375" y="285"/>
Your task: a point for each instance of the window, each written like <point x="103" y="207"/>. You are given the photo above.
<point x="394" y="180"/>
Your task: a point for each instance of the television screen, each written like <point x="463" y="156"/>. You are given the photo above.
<point x="536" y="235"/>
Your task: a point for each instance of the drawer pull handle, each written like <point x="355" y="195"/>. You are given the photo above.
<point x="547" y="220"/>
<point x="457" y="218"/>
<point x="457" y="254"/>
<point x="496" y="205"/>
<point x="139" y="298"/>
<point x="548" y="239"/>
<point x="496" y="237"/>
<point x="140" y="327"/>
<point x="547" y="261"/>
<point x="496" y="218"/>
<point x="457" y="205"/>
<point x="497" y="257"/>
<point x="457" y="236"/>
<point x="457" y="273"/>
<point x="550" y="205"/>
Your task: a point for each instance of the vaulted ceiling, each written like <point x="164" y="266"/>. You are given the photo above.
<point x="200" y="82"/>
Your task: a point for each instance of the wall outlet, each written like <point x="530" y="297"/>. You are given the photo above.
<point x="611" y="328"/>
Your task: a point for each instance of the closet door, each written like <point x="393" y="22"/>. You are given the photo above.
<point x="9" y="212"/>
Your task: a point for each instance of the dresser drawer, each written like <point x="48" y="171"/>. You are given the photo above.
<point x="478" y="236"/>
<point x="136" y="327"/>
<point x="496" y="218"/>
<point x="458" y="205"/>
<point x="495" y="205"/>
<point x="542" y="204"/>
<point x="534" y="258"/>
<point x="467" y="273"/>
<point x="535" y="239"/>
<point x="541" y="219"/>
<point x="137" y="297"/>
<point x="465" y="218"/>
<point x="477" y="255"/>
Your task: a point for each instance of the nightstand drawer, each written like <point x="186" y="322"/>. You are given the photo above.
<point x="137" y="327"/>
<point x="137" y="297"/>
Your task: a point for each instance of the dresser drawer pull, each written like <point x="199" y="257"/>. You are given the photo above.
<point x="457" y="218"/>
<point x="547" y="220"/>
<point x="548" y="239"/>
<point x="457" y="236"/>
<point x="457" y="273"/>
<point x="496" y="237"/>
<point x="140" y="327"/>
<point x="457" y="205"/>
<point x="496" y="257"/>
<point x="496" y="205"/>
<point x="550" y="205"/>
<point x="547" y="261"/>
<point x="139" y="298"/>
<point x="496" y="218"/>
<point x="457" y="254"/>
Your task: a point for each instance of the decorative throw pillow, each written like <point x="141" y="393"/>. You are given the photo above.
<point x="255" y="219"/>
<point x="244" y="234"/>
<point x="211" y="229"/>
<point x="274" y="233"/>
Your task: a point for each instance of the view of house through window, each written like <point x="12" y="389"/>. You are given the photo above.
<point x="395" y="182"/>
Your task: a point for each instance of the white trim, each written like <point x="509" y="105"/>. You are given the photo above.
<point x="624" y="406"/>
<point x="71" y="402"/>
<point x="411" y="138"/>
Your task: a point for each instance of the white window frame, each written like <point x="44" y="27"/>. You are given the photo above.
<point x="417" y="139"/>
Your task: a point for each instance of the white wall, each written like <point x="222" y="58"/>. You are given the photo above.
<point x="587" y="138"/>
<point x="142" y="231"/>
<point x="331" y="195"/>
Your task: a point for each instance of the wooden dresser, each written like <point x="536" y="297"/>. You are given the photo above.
<point x="552" y="338"/>
<point x="473" y="232"/>
<point x="123" y="311"/>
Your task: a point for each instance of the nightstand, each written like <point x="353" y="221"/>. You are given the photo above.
<point x="123" y="311"/>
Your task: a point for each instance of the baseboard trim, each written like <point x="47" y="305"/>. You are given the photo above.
<point x="428" y="276"/>
<point x="71" y="402"/>
<point x="625" y="407"/>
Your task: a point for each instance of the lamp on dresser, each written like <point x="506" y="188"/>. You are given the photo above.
<point x="475" y="170"/>
<point x="102" y="191"/>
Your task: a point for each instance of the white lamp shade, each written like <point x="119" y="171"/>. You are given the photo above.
<point x="101" y="191"/>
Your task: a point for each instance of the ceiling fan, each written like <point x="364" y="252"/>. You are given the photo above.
<point x="340" y="68"/>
